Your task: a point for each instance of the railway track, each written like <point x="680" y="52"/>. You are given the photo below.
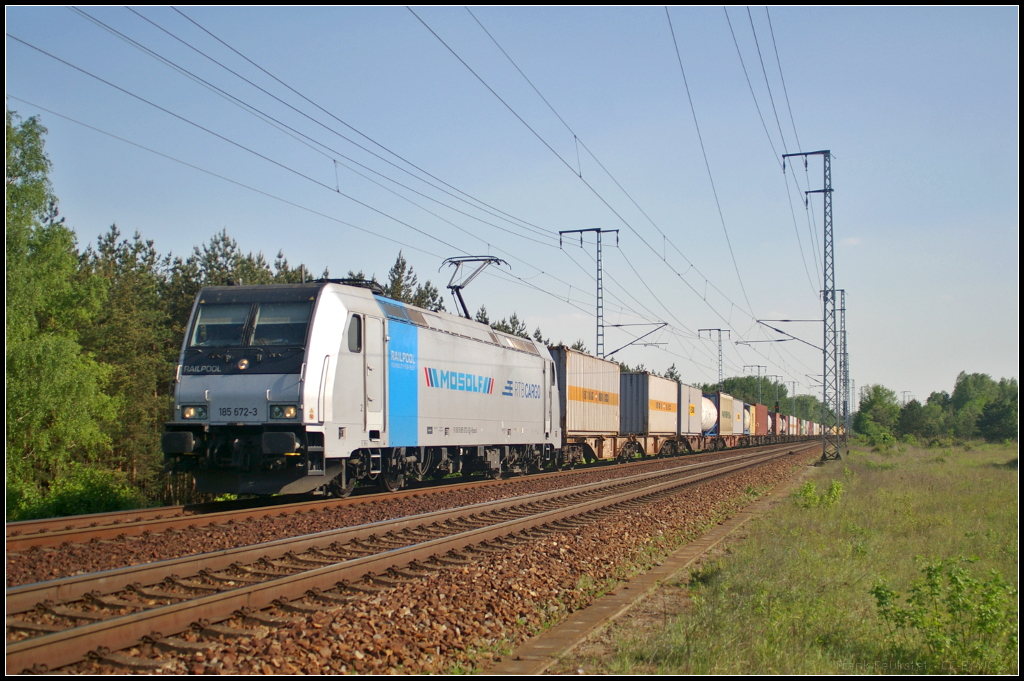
<point x="53" y="532"/>
<point x="56" y="623"/>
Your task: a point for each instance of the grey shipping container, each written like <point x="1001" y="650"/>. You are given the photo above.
<point x="649" y="405"/>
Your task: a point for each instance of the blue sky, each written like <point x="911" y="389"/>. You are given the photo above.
<point x="918" y="106"/>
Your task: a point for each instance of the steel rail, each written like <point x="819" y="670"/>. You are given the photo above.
<point x="27" y="534"/>
<point x="25" y="597"/>
<point x="66" y="647"/>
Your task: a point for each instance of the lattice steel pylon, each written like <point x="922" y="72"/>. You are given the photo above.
<point x="844" y="370"/>
<point x="831" y="437"/>
<point x="599" y="351"/>
<point x="700" y="331"/>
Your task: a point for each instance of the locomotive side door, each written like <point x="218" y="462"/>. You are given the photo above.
<point x="549" y="381"/>
<point x="374" y="405"/>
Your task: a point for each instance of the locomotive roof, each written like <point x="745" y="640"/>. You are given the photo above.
<point x="396" y="310"/>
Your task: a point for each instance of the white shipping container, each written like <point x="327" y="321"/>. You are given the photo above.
<point x="726" y="417"/>
<point x="589" y="392"/>
<point x="691" y="403"/>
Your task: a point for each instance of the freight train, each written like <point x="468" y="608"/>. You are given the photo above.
<point x="314" y="387"/>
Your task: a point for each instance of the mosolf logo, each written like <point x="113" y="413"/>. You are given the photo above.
<point x="455" y="380"/>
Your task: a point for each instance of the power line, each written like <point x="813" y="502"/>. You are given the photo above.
<point x="236" y="144"/>
<point x="512" y="277"/>
<point x="767" y="84"/>
<point x="225" y="178"/>
<point x="353" y="129"/>
<point x="566" y="163"/>
<point x="757" y="106"/>
<point x="515" y="221"/>
<point x="779" y="62"/>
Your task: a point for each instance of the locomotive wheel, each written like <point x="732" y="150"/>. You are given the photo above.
<point x="339" y="491"/>
<point x="392" y="478"/>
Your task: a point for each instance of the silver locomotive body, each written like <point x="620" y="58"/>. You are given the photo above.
<point x="290" y="388"/>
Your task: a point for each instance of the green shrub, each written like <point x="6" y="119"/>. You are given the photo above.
<point x="808" y="497"/>
<point x="76" y="490"/>
<point x="963" y="624"/>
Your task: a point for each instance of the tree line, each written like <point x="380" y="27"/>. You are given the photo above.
<point x="978" y="407"/>
<point x="93" y="335"/>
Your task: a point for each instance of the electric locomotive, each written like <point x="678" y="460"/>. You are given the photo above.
<point x="299" y="387"/>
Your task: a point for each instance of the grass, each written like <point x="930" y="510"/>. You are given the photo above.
<point x="898" y="562"/>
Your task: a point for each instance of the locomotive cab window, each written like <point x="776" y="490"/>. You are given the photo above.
<point x="241" y="325"/>
<point x="281" y="324"/>
<point x="355" y="334"/>
<point x="220" y="326"/>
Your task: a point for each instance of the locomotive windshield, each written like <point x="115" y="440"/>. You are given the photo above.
<point x="239" y="325"/>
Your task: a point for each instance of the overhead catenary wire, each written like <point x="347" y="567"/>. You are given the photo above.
<point x="335" y="187"/>
<point x="353" y="129"/>
<point x="597" y="160"/>
<point x="507" y="276"/>
<point x="537" y="230"/>
<point x="562" y="159"/>
<point x="707" y="164"/>
<point x="264" y="157"/>
<point x="580" y="142"/>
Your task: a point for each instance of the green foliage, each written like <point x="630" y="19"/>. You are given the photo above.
<point x="808" y="496"/>
<point x="579" y="346"/>
<point x="745" y="388"/>
<point x="78" y="489"/>
<point x="998" y="419"/>
<point x="964" y="624"/>
<point x="672" y="374"/>
<point x="514" y="326"/>
<point x="55" y="403"/>
<point x="403" y="284"/>
<point x="878" y="413"/>
<point x="133" y="337"/>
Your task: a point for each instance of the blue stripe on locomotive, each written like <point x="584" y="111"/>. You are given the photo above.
<point x="403" y="384"/>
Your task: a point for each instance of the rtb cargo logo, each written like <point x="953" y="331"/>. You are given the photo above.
<point x="455" y="380"/>
<point x="528" y="391"/>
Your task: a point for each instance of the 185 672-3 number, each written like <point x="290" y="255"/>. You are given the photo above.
<point x="239" y="411"/>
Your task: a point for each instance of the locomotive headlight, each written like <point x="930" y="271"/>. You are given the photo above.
<point x="284" y="411"/>
<point x="243" y="364"/>
<point x="193" y="411"/>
